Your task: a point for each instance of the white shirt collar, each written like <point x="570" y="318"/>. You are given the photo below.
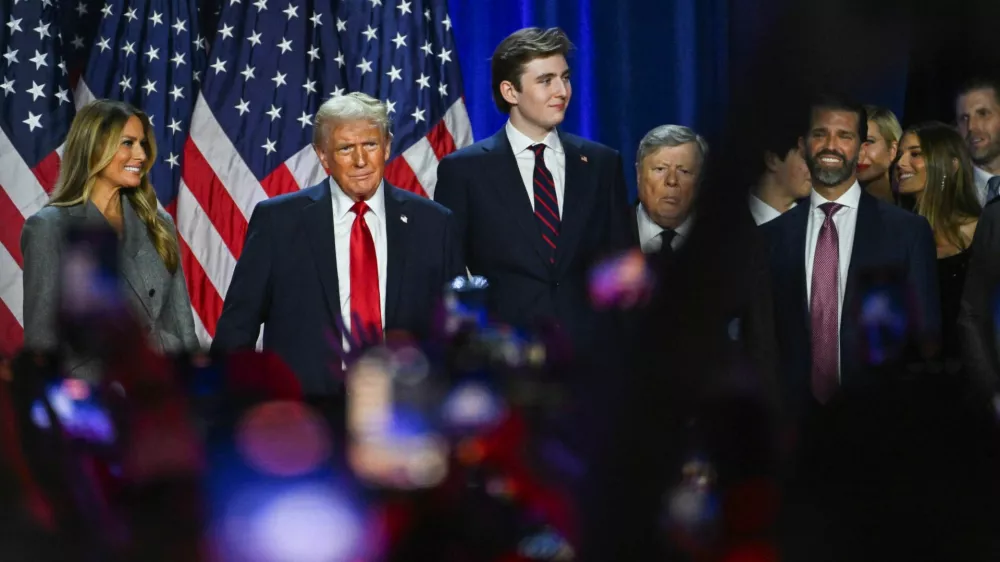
<point x="761" y="211"/>
<point x="982" y="176"/>
<point x="851" y="198"/>
<point x="685" y="227"/>
<point x="519" y="142"/>
<point x="342" y="203"/>
<point x="648" y="230"/>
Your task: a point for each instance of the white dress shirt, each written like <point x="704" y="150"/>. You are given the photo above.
<point x="555" y="161"/>
<point x="762" y="212"/>
<point x="982" y="177"/>
<point x="343" y="220"/>
<point x="649" y="232"/>
<point x="845" y="219"/>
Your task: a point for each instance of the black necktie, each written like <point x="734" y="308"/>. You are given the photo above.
<point x="546" y="204"/>
<point x="667" y="237"/>
<point x="992" y="188"/>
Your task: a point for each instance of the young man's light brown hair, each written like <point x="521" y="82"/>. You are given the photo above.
<point x="517" y="50"/>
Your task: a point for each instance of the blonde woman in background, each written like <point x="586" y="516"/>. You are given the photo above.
<point x="880" y="150"/>
<point x="935" y="167"/>
<point x="104" y="182"/>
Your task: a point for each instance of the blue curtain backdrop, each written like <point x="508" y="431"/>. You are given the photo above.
<point x="637" y="64"/>
<point x="642" y="63"/>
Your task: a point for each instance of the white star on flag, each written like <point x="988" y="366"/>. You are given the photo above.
<point x="36" y="91"/>
<point x="33" y="121"/>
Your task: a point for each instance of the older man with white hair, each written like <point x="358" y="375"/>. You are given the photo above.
<point x="668" y="167"/>
<point x="351" y="250"/>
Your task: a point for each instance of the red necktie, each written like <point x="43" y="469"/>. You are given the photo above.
<point x="824" y="308"/>
<point x="366" y="306"/>
<point x="546" y="204"/>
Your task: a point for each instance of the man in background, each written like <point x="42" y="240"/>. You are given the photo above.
<point x="535" y="206"/>
<point x="785" y="178"/>
<point x="668" y="168"/>
<point x="977" y="110"/>
<point x="823" y="249"/>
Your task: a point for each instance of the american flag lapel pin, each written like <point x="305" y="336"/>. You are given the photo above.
<point x="403" y="218"/>
<point x="583" y="158"/>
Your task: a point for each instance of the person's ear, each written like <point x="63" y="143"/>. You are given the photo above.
<point x="509" y="92"/>
<point x="322" y="158"/>
<point x="771" y="161"/>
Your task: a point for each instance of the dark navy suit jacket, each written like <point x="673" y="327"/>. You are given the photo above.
<point x="499" y="237"/>
<point x="286" y="278"/>
<point x="887" y="239"/>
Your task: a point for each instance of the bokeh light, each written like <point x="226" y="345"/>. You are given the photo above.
<point x="304" y="523"/>
<point x="546" y="545"/>
<point x="393" y="442"/>
<point x="402" y="463"/>
<point x="369" y="408"/>
<point x="409" y="365"/>
<point x="621" y="282"/>
<point x="471" y="405"/>
<point x="283" y="438"/>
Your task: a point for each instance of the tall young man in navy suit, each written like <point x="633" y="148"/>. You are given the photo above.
<point x="534" y="206"/>
<point x="352" y="247"/>
<point x="828" y="252"/>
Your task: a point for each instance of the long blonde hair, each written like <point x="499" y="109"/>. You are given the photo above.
<point x="90" y="146"/>
<point x="949" y="200"/>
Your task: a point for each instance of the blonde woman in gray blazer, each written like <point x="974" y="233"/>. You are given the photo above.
<point x="103" y="180"/>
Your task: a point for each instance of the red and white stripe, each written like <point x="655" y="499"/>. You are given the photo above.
<point x="217" y="195"/>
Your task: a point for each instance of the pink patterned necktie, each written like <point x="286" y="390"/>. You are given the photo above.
<point x="824" y="308"/>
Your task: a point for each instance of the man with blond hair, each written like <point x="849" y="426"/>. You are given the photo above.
<point x="351" y="250"/>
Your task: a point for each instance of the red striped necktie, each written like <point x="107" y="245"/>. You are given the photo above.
<point x="546" y="204"/>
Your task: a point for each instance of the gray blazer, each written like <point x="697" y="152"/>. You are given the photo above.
<point x="158" y="298"/>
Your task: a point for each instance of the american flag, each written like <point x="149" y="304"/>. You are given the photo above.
<point x="233" y="114"/>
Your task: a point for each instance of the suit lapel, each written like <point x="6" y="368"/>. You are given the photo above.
<point x="318" y="221"/>
<point x="799" y="225"/>
<point x="510" y="187"/>
<point x="865" y="233"/>
<point x="141" y="265"/>
<point x="578" y="196"/>
<point x="395" y="231"/>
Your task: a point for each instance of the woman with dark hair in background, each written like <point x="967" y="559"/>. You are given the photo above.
<point x="104" y="182"/>
<point x="935" y="167"/>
